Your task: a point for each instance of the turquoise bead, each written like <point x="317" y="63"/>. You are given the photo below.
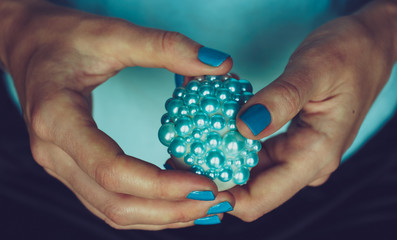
<point x="214" y="140"/>
<point x="198" y="170"/>
<point x="191" y="98"/>
<point x="230" y="109"/>
<point x="212" y="174"/>
<point x="233" y="143"/>
<point x="217" y="122"/>
<point x="178" y="147"/>
<point x="215" y="158"/>
<point x="173" y="107"/>
<point x="193" y="109"/>
<point x="209" y="104"/>
<point x="233" y="85"/>
<point x="183" y="126"/>
<point x="179" y="92"/>
<point x="166" y="134"/>
<point x="231" y="124"/>
<point x="245" y="85"/>
<point x="205" y="90"/>
<point x="238" y="98"/>
<point x="183" y="110"/>
<point x="241" y="175"/>
<point x="217" y="84"/>
<point x="200" y="161"/>
<point x="222" y="94"/>
<point x="198" y="148"/>
<point x="226" y="174"/>
<point x="253" y="144"/>
<point x="165" y="119"/>
<point x="200" y="120"/>
<point x="252" y="159"/>
<point x="193" y="86"/>
<point x="197" y="133"/>
<point x="189" y="159"/>
<point x="245" y="96"/>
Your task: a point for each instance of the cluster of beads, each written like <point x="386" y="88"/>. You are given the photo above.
<point x="199" y="128"/>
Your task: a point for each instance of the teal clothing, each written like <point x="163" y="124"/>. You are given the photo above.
<point x="259" y="35"/>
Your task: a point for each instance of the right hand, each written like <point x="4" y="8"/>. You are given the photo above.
<point x="56" y="57"/>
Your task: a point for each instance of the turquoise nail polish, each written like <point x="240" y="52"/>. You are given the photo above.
<point x="211" y="220"/>
<point x="211" y="56"/>
<point x="257" y="118"/>
<point x="220" y="208"/>
<point x="201" y="195"/>
<point x="179" y="80"/>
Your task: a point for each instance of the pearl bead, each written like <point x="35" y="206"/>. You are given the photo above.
<point x="230" y="109"/>
<point x="193" y="86"/>
<point x="173" y="106"/>
<point x="252" y="159"/>
<point x="199" y="78"/>
<point x="245" y="85"/>
<point x="191" y="98"/>
<point x="183" y="126"/>
<point x="193" y="109"/>
<point x="222" y="94"/>
<point x="231" y="124"/>
<point x="215" y="158"/>
<point x="200" y="120"/>
<point x="167" y="102"/>
<point x="183" y="110"/>
<point x="238" y="98"/>
<point x="179" y="92"/>
<point x="165" y="119"/>
<point x="166" y="134"/>
<point x="217" y="84"/>
<point x="189" y="159"/>
<point x="233" y="85"/>
<point x="200" y="161"/>
<point x="226" y="174"/>
<point x="209" y="104"/>
<point x="241" y="175"/>
<point x="238" y="161"/>
<point x="212" y="77"/>
<point x="217" y="122"/>
<point x="246" y="96"/>
<point x="198" y="170"/>
<point x="197" y="133"/>
<point x="212" y="174"/>
<point x="213" y="139"/>
<point x="178" y="147"/>
<point x="205" y="82"/>
<point x="233" y="143"/>
<point x="197" y="148"/>
<point x="229" y="162"/>
<point x="206" y="90"/>
<point x="253" y="144"/>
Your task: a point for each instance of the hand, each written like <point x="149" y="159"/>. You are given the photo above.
<point x="326" y="90"/>
<point x="57" y="56"/>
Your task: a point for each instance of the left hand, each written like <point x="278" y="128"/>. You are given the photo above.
<point x="327" y="88"/>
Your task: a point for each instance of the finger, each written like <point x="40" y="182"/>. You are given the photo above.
<point x="65" y="120"/>
<point x="133" y="45"/>
<point x="320" y="181"/>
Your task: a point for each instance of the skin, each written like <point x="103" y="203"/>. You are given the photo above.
<point x="327" y="88"/>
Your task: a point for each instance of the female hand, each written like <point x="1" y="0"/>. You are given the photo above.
<point x="56" y="57"/>
<point x="327" y="88"/>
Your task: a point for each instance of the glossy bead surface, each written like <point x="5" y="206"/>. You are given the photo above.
<point x="226" y="174"/>
<point x="206" y="90"/>
<point x="198" y="170"/>
<point x="212" y="174"/>
<point x="223" y="94"/>
<point x="201" y="120"/>
<point x="197" y="133"/>
<point x="209" y="104"/>
<point x="189" y="159"/>
<point x="252" y="159"/>
<point x="166" y="134"/>
<point x="214" y="140"/>
<point x="233" y="143"/>
<point x="173" y="106"/>
<point x="241" y="175"/>
<point x="233" y="85"/>
<point x="183" y="110"/>
<point x="178" y="147"/>
<point x="179" y="92"/>
<point x="230" y="109"/>
<point x="193" y="86"/>
<point x="215" y="158"/>
<point x="217" y="122"/>
<point x="193" y="109"/>
<point x="231" y="124"/>
<point x="183" y="126"/>
<point x="165" y="119"/>
<point x="191" y="98"/>
<point x="245" y="85"/>
<point x="198" y="148"/>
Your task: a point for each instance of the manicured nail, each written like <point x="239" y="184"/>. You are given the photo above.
<point x="211" y="56"/>
<point x="168" y="166"/>
<point x="211" y="220"/>
<point x="220" y="208"/>
<point x="179" y="80"/>
<point x="201" y="195"/>
<point x="257" y="118"/>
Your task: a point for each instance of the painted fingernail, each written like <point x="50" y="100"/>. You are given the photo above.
<point x="257" y="118"/>
<point x="201" y="195"/>
<point x="220" y="208"/>
<point x="211" y="56"/>
<point x="168" y="166"/>
<point x="211" y="220"/>
<point x="179" y="80"/>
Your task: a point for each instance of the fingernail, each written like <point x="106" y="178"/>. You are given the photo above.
<point x="168" y="166"/>
<point x="211" y="56"/>
<point x="201" y="195"/>
<point x="179" y="80"/>
<point x="220" y="208"/>
<point x="211" y="220"/>
<point x="257" y="118"/>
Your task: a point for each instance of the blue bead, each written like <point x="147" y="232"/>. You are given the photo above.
<point x="193" y="109"/>
<point x="217" y="84"/>
<point x="233" y="85"/>
<point x="173" y="107"/>
<point x="213" y="140"/>
<point x="191" y="98"/>
<point x="183" y="110"/>
<point x="165" y="119"/>
<point x="178" y="147"/>
<point x="167" y="102"/>
<point x="179" y="92"/>
<point x="222" y="94"/>
<point x="252" y="159"/>
<point x="166" y="134"/>
<point x="197" y="133"/>
<point x="215" y="158"/>
<point x="238" y="98"/>
<point x="209" y="104"/>
<point x="217" y="122"/>
<point x="241" y="175"/>
<point x="183" y="126"/>
<point x="230" y="108"/>
<point x="231" y="124"/>
<point x="198" y="170"/>
<point x="253" y="144"/>
<point x="189" y="159"/>
<point x="245" y="96"/>
<point x="200" y="161"/>
<point x="193" y="86"/>
<point x="245" y="85"/>
<point x="205" y="90"/>
<point x="198" y="148"/>
<point x="200" y="120"/>
<point x="212" y="174"/>
<point x="233" y="143"/>
<point x="211" y="77"/>
<point x="226" y="174"/>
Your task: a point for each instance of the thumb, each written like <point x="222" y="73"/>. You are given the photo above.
<point x="147" y="47"/>
<point x="275" y="105"/>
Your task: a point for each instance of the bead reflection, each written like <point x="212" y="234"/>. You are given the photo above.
<point x="241" y="175"/>
<point x="178" y="147"/>
<point x="217" y="122"/>
<point x="215" y="158"/>
<point x="209" y="104"/>
<point x="233" y="143"/>
<point x="214" y="140"/>
<point x="166" y="134"/>
<point x="183" y="126"/>
<point x="225" y="174"/>
<point x="200" y="120"/>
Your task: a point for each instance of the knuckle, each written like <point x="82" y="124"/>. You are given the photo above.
<point x="115" y="216"/>
<point x="38" y="123"/>
<point x="291" y="96"/>
<point x="106" y="176"/>
<point x="168" y="40"/>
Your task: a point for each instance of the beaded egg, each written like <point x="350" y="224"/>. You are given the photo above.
<point x="199" y="129"/>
